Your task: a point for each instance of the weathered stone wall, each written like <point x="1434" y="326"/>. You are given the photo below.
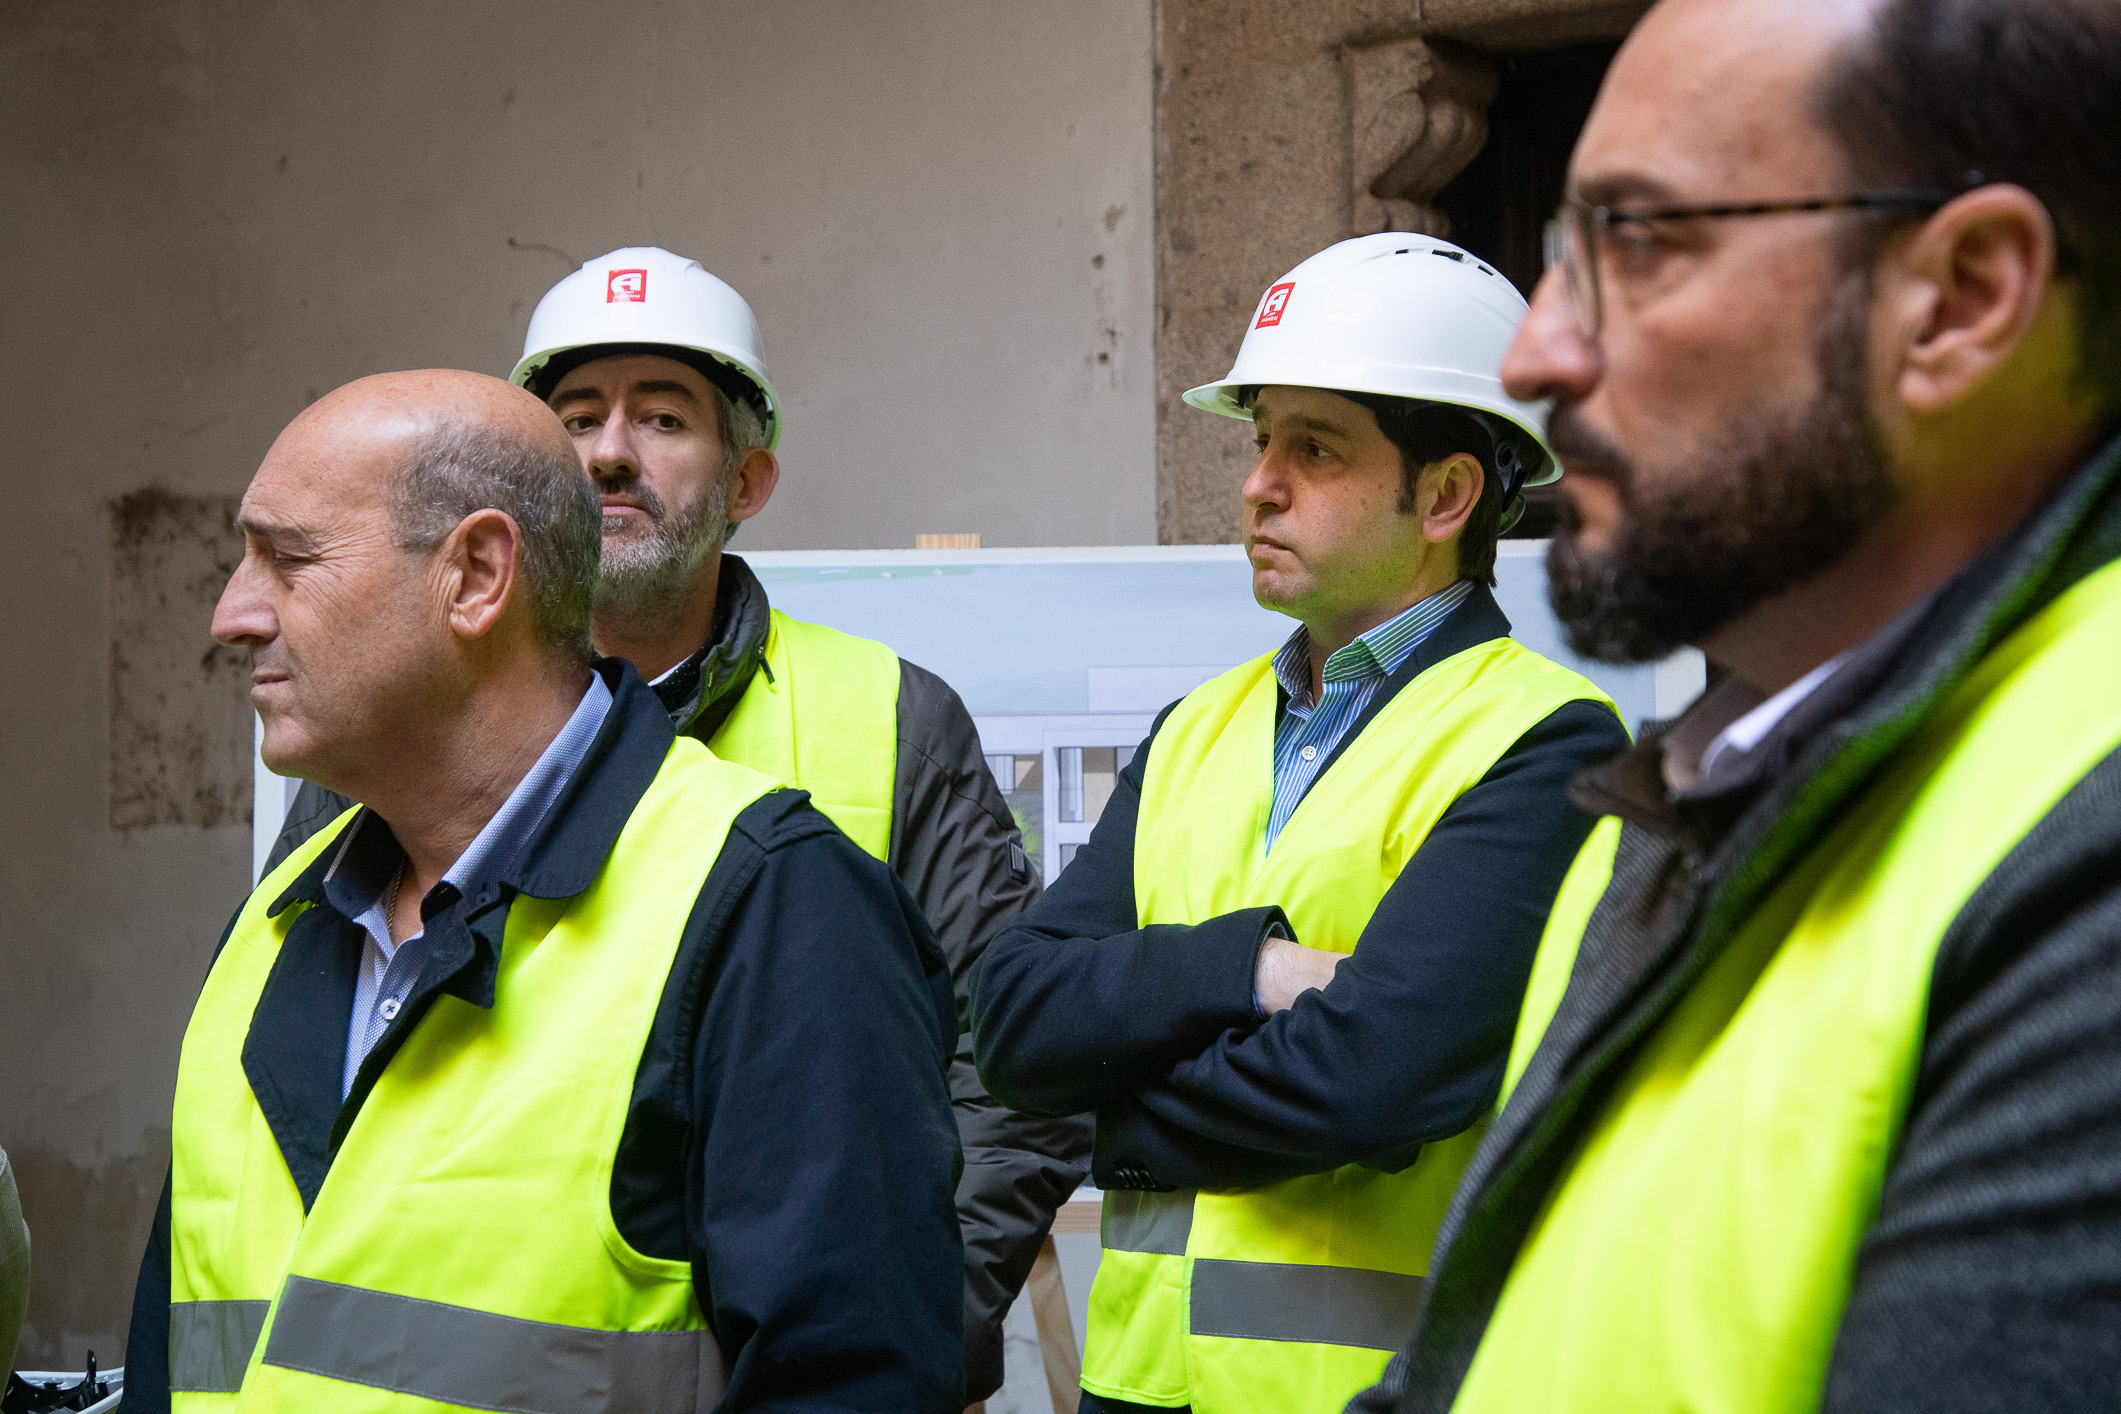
<point x="939" y="208"/>
<point x="1280" y="129"/>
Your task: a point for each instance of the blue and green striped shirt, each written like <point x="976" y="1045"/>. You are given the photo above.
<point x="1308" y="731"/>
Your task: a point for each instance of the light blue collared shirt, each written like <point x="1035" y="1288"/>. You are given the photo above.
<point x="1308" y="732"/>
<point x="388" y="971"/>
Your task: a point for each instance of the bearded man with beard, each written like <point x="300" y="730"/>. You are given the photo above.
<point x="655" y="370"/>
<point x="1816" y="1099"/>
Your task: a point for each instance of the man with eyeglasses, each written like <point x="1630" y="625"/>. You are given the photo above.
<point x="1816" y="1100"/>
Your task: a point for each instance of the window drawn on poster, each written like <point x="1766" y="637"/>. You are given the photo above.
<point x="1057" y="772"/>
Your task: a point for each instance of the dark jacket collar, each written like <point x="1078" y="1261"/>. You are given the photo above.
<point x="1472" y="623"/>
<point x="702" y="691"/>
<point x="561" y="858"/>
<point x="1834" y="741"/>
<point x="294" y="1053"/>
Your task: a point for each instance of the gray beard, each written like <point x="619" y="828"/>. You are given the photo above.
<point x="1774" y="501"/>
<point x="643" y="577"/>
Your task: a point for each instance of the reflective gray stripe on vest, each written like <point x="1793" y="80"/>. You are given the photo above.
<point x="1146" y="1222"/>
<point x="1317" y="1305"/>
<point x="210" y="1344"/>
<point x="456" y="1355"/>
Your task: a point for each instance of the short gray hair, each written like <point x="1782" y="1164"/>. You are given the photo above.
<point x="741" y="425"/>
<point x="457" y="469"/>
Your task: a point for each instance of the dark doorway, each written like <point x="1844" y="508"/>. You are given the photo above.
<point x="1499" y="205"/>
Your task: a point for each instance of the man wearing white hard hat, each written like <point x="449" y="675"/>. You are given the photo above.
<point x="655" y="368"/>
<point x="1278" y="1134"/>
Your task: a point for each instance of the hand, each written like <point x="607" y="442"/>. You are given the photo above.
<point x="1287" y="969"/>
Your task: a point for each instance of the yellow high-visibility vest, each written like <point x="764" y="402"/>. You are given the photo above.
<point x="823" y="717"/>
<point x="1698" y="1252"/>
<point x="461" y="1250"/>
<point x="1581" y="888"/>
<point x="1291" y="1296"/>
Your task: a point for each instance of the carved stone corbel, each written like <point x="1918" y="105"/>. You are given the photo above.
<point x="1418" y="113"/>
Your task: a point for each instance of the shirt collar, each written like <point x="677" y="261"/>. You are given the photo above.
<point x="563" y="850"/>
<point x="562" y="857"/>
<point x="563" y="853"/>
<point x="1379" y="653"/>
<point x="1660" y="783"/>
<point x="1749" y="730"/>
<point x="496" y="846"/>
<point x="363" y="867"/>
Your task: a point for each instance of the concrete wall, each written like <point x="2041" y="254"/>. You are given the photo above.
<point x="939" y="208"/>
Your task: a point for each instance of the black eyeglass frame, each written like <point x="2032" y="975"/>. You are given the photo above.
<point x="1592" y="223"/>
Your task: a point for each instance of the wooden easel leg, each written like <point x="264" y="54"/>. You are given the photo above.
<point x="1057" y="1349"/>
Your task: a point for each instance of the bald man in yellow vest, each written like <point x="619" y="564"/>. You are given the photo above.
<point x="486" y="1100"/>
<point x="658" y="371"/>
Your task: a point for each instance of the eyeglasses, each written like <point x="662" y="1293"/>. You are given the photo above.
<point x="1578" y="236"/>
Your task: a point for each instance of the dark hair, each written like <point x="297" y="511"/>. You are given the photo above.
<point x="1425" y="434"/>
<point x="458" y="468"/>
<point x="743" y="415"/>
<point x="1940" y="93"/>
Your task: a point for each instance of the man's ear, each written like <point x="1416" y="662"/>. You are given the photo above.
<point x="480" y="564"/>
<point x="751" y="484"/>
<point x="1962" y="292"/>
<point x="1449" y="490"/>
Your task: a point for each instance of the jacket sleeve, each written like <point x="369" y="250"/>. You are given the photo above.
<point x="1075" y="1003"/>
<point x="1989" y="1277"/>
<point x="957" y="850"/>
<point x="823" y="1160"/>
<point x="147" y="1342"/>
<point x="314" y="807"/>
<point x="1407" y="1044"/>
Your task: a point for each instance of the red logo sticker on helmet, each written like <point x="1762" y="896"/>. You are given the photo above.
<point x="626" y="287"/>
<point x="1271" y="308"/>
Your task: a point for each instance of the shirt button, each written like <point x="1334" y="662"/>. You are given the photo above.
<point x="389" y="1008"/>
<point x="1309" y="753"/>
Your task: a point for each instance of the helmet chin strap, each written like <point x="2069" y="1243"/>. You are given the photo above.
<point x="1511" y="514"/>
<point x="1509" y="465"/>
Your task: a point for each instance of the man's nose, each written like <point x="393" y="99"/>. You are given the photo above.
<point x="610" y="455"/>
<point x="243" y="618"/>
<point x="1550" y="358"/>
<point x="1266" y="489"/>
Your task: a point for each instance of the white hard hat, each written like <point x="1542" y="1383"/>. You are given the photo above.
<point x="644" y="295"/>
<point x="1403" y="315"/>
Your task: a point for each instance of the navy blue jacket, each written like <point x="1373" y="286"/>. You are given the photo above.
<point x="790" y="1133"/>
<point x="1077" y="1007"/>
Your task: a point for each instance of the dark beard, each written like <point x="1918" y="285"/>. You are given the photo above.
<point x="645" y="578"/>
<point x="1793" y="491"/>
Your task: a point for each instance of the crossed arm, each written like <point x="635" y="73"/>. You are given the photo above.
<point x="1211" y="1052"/>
